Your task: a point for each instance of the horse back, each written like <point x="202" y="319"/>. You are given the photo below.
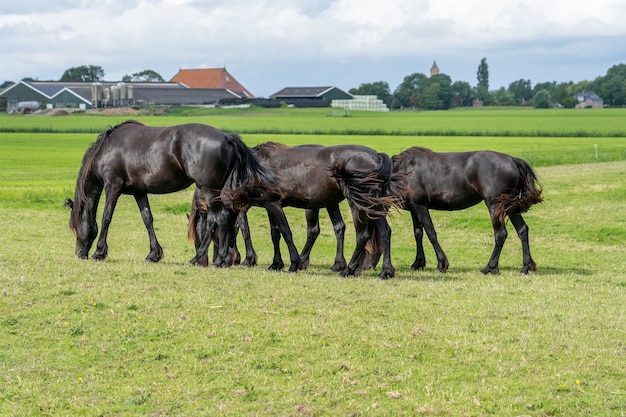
<point x="303" y="178"/>
<point x="164" y="159"/>
<point x="455" y="180"/>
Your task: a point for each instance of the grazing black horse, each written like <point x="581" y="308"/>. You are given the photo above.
<point x="135" y="159"/>
<point x="314" y="177"/>
<point x="458" y="180"/>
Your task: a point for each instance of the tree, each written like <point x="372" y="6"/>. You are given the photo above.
<point x="379" y="89"/>
<point x="503" y="97"/>
<point x="483" y="74"/>
<point x="435" y="93"/>
<point x="462" y="94"/>
<point x="147" y="76"/>
<point x="521" y="90"/>
<point x="483" y="94"/>
<point x="563" y="94"/>
<point x="542" y="100"/>
<point x="83" y="73"/>
<point x="405" y="95"/>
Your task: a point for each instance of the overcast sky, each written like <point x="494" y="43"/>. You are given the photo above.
<point x="270" y="44"/>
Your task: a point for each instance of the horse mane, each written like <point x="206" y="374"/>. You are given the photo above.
<point x="80" y="197"/>
<point x="271" y="146"/>
<point x="407" y="154"/>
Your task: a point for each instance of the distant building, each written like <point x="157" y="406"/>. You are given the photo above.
<point x="588" y="99"/>
<point x="210" y="78"/>
<point x="310" y="96"/>
<point x="87" y="95"/>
<point x="434" y="70"/>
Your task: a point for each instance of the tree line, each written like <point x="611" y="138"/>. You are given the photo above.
<point x="95" y="73"/>
<point x="439" y="92"/>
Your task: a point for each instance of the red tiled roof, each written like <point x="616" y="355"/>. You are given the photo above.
<point x="210" y="78"/>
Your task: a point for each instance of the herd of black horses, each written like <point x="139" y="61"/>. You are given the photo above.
<point x="135" y="159"/>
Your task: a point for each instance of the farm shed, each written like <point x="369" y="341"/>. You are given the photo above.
<point x="87" y="95"/>
<point x="310" y="96"/>
<point x="20" y="92"/>
<point x="204" y="78"/>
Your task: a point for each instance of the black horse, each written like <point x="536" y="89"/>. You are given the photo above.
<point x="314" y="177"/>
<point x="135" y="159"/>
<point x="458" y="180"/>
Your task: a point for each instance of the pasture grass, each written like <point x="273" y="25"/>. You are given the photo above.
<point x="524" y="122"/>
<point x="124" y="337"/>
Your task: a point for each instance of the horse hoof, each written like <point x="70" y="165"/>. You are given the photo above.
<point x="488" y="270"/>
<point x="340" y="266"/>
<point x="199" y="262"/>
<point x="418" y="266"/>
<point x="153" y="258"/>
<point x="387" y="273"/>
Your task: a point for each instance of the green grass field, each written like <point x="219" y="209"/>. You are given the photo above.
<point x="127" y="338"/>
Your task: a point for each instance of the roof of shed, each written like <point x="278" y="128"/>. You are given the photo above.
<point x="302" y="92"/>
<point x="210" y="78"/>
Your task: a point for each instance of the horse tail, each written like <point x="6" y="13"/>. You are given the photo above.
<point x="250" y="180"/>
<point x="373" y="249"/>
<point x="198" y="206"/>
<point x="368" y="190"/>
<point x="521" y="198"/>
<point x="248" y="169"/>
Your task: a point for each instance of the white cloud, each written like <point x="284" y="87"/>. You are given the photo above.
<point x="42" y="38"/>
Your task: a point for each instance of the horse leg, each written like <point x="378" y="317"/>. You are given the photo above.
<point x="277" y="261"/>
<point x="156" y="251"/>
<point x="499" y="234"/>
<point x="201" y="258"/>
<point x="312" y="232"/>
<point x="424" y="219"/>
<point x="102" y="248"/>
<point x="362" y="236"/>
<point x="226" y="219"/>
<point x="233" y="249"/>
<point x="276" y="212"/>
<point x="522" y="231"/>
<point x="418" y="232"/>
<point x="384" y="234"/>
<point x="244" y="226"/>
<point x="339" y="227"/>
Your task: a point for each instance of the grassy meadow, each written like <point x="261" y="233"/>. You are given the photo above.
<point x="125" y="338"/>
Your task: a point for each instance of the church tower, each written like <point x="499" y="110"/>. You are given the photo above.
<point x="434" y="70"/>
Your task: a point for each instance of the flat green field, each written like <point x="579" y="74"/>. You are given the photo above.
<point x="126" y="338"/>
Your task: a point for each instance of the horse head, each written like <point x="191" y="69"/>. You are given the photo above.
<point x="84" y="229"/>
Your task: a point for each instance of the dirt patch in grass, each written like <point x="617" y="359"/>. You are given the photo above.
<point x="120" y="111"/>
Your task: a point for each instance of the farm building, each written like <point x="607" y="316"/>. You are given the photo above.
<point x="310" y="96"/>
<point x="588" y="99"/>
<point x="87" y="95"/>
<point x="210" y="78"/>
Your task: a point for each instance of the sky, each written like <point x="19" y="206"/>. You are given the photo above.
<point x="271" y="44"/>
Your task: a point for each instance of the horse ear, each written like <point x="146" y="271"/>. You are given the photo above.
<point x="68" y="204"/>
